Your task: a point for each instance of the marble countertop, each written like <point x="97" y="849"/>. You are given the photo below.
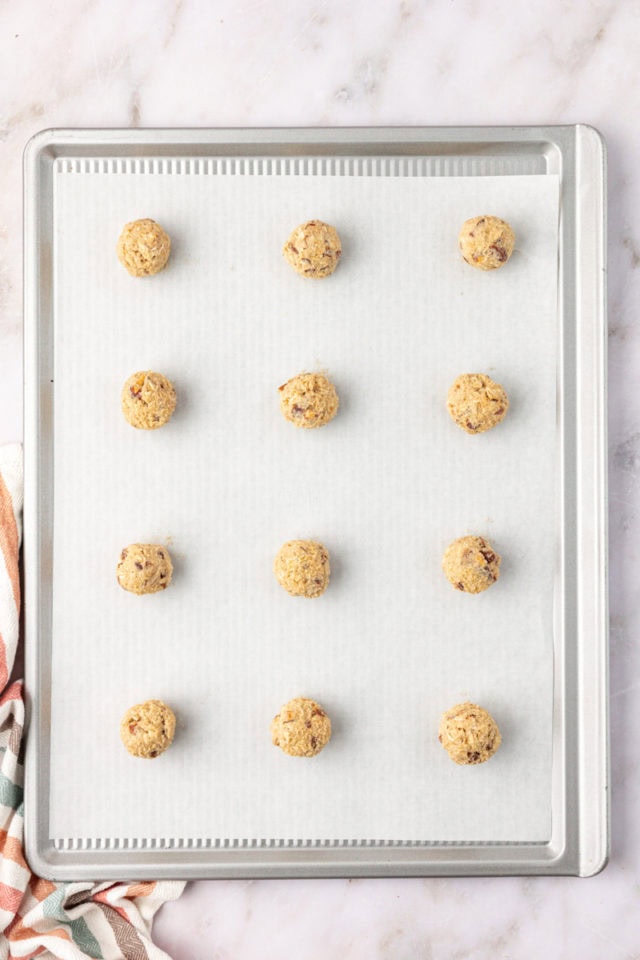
<point x="372" y="62"/>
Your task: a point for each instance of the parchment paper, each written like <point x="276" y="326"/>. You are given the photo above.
<point x="386" y="486"/>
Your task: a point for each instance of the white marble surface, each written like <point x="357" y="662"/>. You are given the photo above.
<point x="270" y="62"/>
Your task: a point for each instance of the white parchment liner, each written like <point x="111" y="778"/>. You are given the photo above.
<point x="385" y="486"/>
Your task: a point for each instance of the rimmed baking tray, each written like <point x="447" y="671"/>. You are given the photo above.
<point x="578" y="842"/>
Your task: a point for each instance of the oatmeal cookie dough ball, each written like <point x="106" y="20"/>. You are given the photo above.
<point x="313" y="249"/>
<point x="309" y="400"/>
<point x="469" y="734"/>
<point x="301" y="729"/>
<point x="143" y="248"/>
<point x="471" y="564"/>
<point x="476" y="402"/>
<point x="486" y="242"/>
<point x="148" y="728"/>
<point x="148" y="400"/>
<point x="144" y="568"/>
<point x="302" y="568"/>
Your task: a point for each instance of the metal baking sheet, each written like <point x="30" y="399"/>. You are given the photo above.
<point x="578" y="783"/>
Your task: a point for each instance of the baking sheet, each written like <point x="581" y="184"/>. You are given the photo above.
<point x="386" y="486"/>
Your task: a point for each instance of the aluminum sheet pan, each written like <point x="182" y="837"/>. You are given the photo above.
<point x="579" y="810"/>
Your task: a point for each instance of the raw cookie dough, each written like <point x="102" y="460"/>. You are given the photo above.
<point x="148" y="399"/>
<point x="302" y="568"/>
<point x="301" y="729"/>
<point x="471" y="564"/>
<point x="144" y="568"/>
<point x="143" y="248"/>
<point x="486" y="242"/>
<point x="469" y="734"/>
<point x="148" y="728"/>
<point x="476" y="402"/>
<point x="313" y="249"/>
<point x="309" y="400"/>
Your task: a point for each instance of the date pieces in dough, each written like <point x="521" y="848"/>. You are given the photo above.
<point x="301" y="729"/>
<point x="476" y="402"/>
<point x="309" y="400"/>
<point x="471" y="564"/>
<point x="302" y="568"/>
<point x="313" y="249"/>
<point x="486" y="242"/>
<point x="148" y="400"/>
<point x="143" y="248"/>
<point x="148" y="728"/>
<point x="469" y="734"/>
<point x="144" y="568"/>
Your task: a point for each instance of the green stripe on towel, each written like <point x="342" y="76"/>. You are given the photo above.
<point x="53" y="907"/>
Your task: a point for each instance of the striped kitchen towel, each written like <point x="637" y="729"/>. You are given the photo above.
<point x="39" y="918"/>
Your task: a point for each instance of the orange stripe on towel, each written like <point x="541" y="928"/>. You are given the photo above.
<point x="10" y="898"/>
<point x="12" y="849"/>
<point x="141" y="889"/>
<point x="14" y="692"/>
<point x="17" y="931"/>
<point x="9" y="541"/>
<point x="41" y="889"/>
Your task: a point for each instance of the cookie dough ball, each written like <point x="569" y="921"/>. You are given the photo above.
<point x="301" y="729"/>
<point x="471" y="564"/>
<point x="302" y="568"/>
<point x="143" y="248"/>
<point x="469" y="734"/>
<point x="476" y="402"/>
<point x="148" y="728"/>
<point x="144" y="568"/>
<point x="486" y="242"/>
<point x="148" y="399"/>
<point x="309" y="400"/>
<point x="313" y="249"/>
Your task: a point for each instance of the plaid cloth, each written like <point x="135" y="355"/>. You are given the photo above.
<point x="37" y="917"/>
